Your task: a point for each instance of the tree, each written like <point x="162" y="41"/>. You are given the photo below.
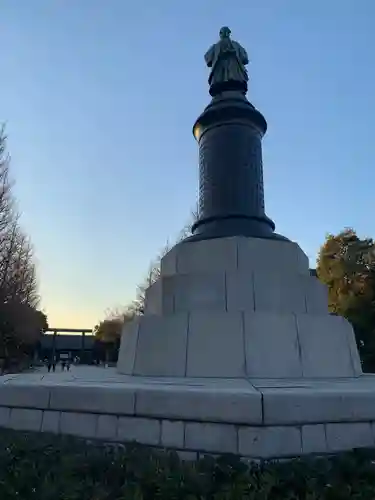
<point x="108" y="334"/>
<point x="20" y="322"/>
<point x="109" y="330"/>
<point x="346" y="264"/>
<point x="17" y="269"/>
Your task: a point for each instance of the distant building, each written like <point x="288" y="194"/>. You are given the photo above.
<point x="68" y="345"/>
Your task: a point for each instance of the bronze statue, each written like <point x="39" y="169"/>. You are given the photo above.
<point x="227" y="60"/>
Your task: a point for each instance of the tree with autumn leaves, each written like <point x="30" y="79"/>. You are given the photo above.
<point x="21" y="323"/>
<point x="346" y="264"/>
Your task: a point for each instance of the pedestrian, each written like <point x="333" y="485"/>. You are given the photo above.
<point x="68" y="365"/>
<point x="49" y="366"/>
<point x="62" y="365"/>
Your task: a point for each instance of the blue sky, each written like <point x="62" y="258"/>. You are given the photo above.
<point x="100" y="96"/>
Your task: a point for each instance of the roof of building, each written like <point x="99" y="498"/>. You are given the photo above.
<point x="67" y="342"/>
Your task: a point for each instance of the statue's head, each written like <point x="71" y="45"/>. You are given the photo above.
<point x="224" y="32"/>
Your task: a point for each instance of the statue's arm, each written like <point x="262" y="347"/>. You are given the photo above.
<point x="209" y="56"/>
<point x="243" y="55"/>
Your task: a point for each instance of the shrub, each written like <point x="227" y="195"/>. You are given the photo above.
<point x="44" y="467"/>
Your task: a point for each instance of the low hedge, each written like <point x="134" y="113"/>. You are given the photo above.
<point x="44" y="467"/>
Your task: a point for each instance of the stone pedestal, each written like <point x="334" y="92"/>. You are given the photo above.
<point x="239" y="332"/>
<point x="236" y="353"/>
<point x="237" y="308"/>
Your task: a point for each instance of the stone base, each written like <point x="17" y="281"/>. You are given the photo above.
<point x="238" y="307"/>
<point x="236" y="353"/>
<point x="257" y="419"/>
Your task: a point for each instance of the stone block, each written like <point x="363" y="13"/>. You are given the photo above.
<point x="141" y="430"/>
<point x="316" y="296"/>
<point x="269" y="442"/>
<point x="229" y="254"/>
<point x="199" y="291"/>
<point x="354" y="353"/>
<point x="25" y="419"/>
<point x="107" y="427"/>
<point x="51" y="422"/>
<point x="4" y="416"/>
<point x="271" y="256"/>
<point x="17" y="395"/>
<point x="219" y="438"/>
<point x="302" y="259"/>
<point x="347" y="436"/>
<point x="240" y="291"/>
<point x="215" y="345"/>
<point x="153" y="298"/>
<point x="186" y="292"/>
<point x="78" y="424"/>
<point x="159" y="297"/>
<point x="161" y="348"/>
<point x="271" y="345"/>
<point x="219" y="254"/>
<point x="278" y="291"/>
<point x="327" y="401"/>
<point x="172" y="434"/>
<point x="314" y="439"/>
<point x="325" y="350"/>
<point x="298" y="406"/>
<point x="128" y="347"/>
<point x="168" y="263"/>
<point x="115" y="398"/>
<point x="215" y="403"/>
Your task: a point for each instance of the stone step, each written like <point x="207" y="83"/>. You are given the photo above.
<point x="259" y="419"/>
<point x="237" y="290"/>
<point x="237" y="253"/>
<point x="234" y="345"/>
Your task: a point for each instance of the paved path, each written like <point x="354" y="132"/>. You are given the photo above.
<point x="84" y="375"/>
<point x="79" y="373"/>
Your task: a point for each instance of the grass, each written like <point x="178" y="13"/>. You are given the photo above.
<point x="45" y="467"/>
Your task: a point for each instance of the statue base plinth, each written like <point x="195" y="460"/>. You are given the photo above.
<point x="231" y="225"/>
<point x="257" y="419"/>
<point x="238" y="353"/>
<point x="234" y="308"/>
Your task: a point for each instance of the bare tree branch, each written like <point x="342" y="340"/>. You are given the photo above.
<point x="20" y="322"/>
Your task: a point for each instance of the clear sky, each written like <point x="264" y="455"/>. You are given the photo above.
<point x="100" y="96"/>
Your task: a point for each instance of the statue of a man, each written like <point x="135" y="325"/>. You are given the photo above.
<point x="227" y="60"/>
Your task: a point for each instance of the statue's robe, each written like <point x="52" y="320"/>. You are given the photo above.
<point x="227" y="59"/>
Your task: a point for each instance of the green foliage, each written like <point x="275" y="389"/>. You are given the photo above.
<point x="346" y="264"/>
<point x="59" y="468"/>
<point x="109" y="330"/>
<point x="108" y="335"/>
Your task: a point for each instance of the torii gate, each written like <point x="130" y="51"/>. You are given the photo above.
<point x="55" y="332"/>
